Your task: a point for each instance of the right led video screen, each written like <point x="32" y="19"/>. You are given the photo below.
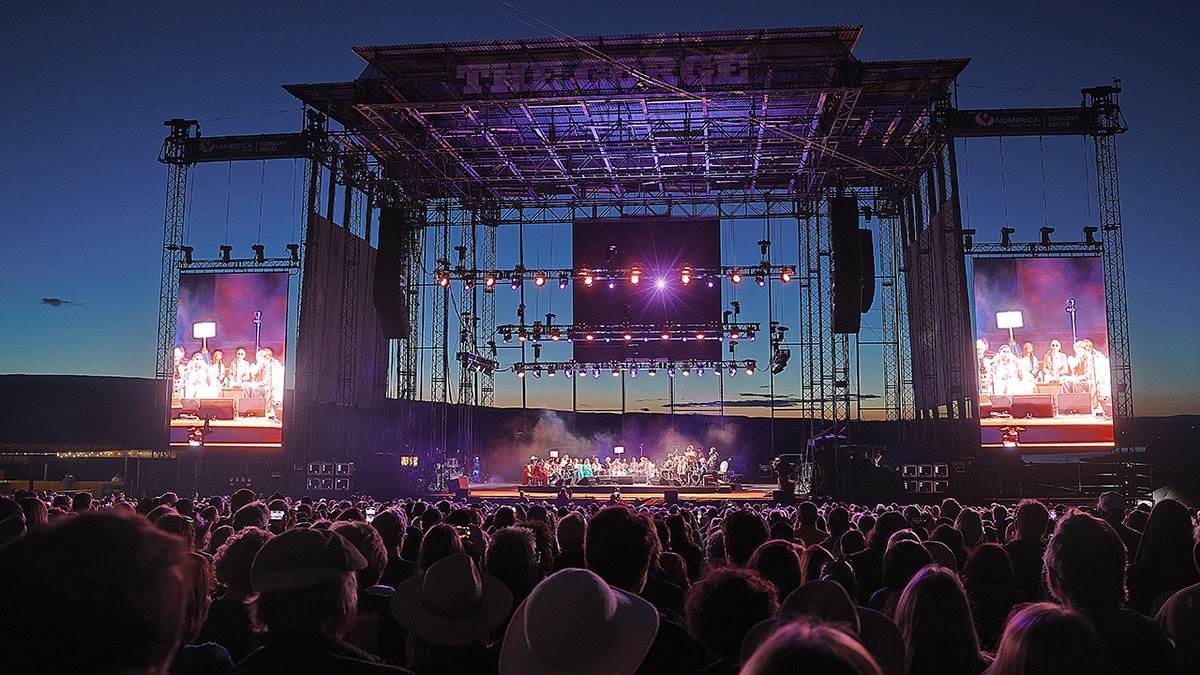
<point x="1041" y="348"/>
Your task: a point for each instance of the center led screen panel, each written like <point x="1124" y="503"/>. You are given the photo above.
<point x="659" y="249"/>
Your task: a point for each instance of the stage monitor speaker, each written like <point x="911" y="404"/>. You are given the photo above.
<point x="639" y="478"/>
<point x="460" y="483"/>
<point x="1026" y="406"/>
<point x="1075" y="403"/>
<point x="217" y="408"/>
<point x="671" y="496"/>
<point x="390" y="287"/>
<point x="866" y="250"/>
<point x="250" y="406"/>
<point x="784" y="496"/>
<point x="724" y="489"/>
<point x="846" y="264"/>
<point x="187" y="406"/>
<point x="624" y="480"/>
<point x="1001" y="403"/>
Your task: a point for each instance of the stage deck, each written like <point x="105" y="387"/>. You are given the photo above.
<point x="643" y="493"/>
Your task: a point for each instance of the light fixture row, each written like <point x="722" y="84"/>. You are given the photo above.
<point x="631" y="367"/>
<point x="684" y="332"/>
<point x="611" y="278"/>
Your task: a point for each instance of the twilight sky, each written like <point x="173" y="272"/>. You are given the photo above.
<point x="88" y="85"/>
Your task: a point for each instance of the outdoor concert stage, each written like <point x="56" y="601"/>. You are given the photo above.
<point x="642" y="493"/>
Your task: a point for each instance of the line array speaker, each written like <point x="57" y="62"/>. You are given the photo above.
<point x="846" y="264"/>
<point x="389" y="284"/>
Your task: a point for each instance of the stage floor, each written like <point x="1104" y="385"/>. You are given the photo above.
<point x="630" y="493"/>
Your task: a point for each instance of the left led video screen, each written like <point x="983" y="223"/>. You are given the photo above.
<point x="230" y="350"/>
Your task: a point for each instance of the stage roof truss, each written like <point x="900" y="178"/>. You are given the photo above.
<point x="782" y="114"/>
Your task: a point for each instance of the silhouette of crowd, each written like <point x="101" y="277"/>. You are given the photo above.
<point x="251" y="585"/>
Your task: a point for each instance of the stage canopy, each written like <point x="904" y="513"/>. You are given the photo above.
<point x="782" y="113"/>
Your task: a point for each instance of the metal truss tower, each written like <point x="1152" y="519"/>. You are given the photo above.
<point x="1110" y="122"/>
<point x="178" y="168"/>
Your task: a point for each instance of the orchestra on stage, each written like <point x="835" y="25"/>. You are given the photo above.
<point x="689" y="467"/>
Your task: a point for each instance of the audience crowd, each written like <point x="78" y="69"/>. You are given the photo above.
<point x="252" y="585"/>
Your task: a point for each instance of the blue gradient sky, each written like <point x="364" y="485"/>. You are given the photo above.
<point x="87" y="86"/>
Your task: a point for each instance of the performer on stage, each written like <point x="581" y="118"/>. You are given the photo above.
<point x="983" y="359"/>
<point x="1054" y="363"/>
<point x="1031" y="369"/>
<point x="239" y="371"/>
<point x="1006" y="372"/>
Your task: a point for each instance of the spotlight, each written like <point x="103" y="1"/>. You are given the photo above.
<point x="522" y="335"/>
<point x="686" y="371"/>
<point x="520" y="370"/>
<point x="785" y="275"/>
<point x="660" y="283"/>
<point x="612" y="283"/>
<point x="760" y="278"/>
<point x="1006" y="236"/>
<point x="616" y="371"/>
<point x="588" y="279"/>
<point x="733" y="371"/>
<point x="516" y="281"/>
<point x="779" y="360"/>
<point x="226" y="249"/>
<point x="750" y="367"/>
<point x="568" y="373"/>
<point x="507" y="336"/>
<point x="443" y="278"/>
<point x="666" y="334"/>
<point x="709" y="282"/>
<point x="1046" y="232"/>
<point x="539" y="279"/>
<point x="750" y="333"/>
<point x="635" y="275"/>
<point x="700" y="335"/>
<point x="537" y="374"/>
<point x="627" y="336"/>
<point x="195" y="437"/>
<point x="469" y="281"/>
<point x="589" y="337"/>
<point x="671" y="372"/>
<point x="187" y="254"/>
<point x="293" y="252"/>
<point x="633" y="372"/>
<point x="685" y="276"/>
<point x="595" y="373"/>
<point x="652" y="371"/>
<point x="551" y="371"/>
<point x="259" y="254"/>
<point x="699" y="372"/>
<point x="736" y="276"/>
<point x="562" y="280"/>
<point x="968" y="236"/>
<point x="1089" y="234"/>
<point x="489" y="280"/>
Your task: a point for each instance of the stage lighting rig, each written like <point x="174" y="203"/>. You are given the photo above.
<point x="1046" y="232"/>
<point x="227" y="251"/>
<point x="478" y="363"/>
<point x="779" y="360"/>
<point x="1006" y="234"/>
<point x="1089" y="234"/>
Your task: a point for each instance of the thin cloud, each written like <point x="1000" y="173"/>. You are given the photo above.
<point x="59" y="302"/>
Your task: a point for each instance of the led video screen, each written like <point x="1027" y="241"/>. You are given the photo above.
<point x="230" y="338"/>
<point x="1042" y="358"/>
<point x="660" y="254"/>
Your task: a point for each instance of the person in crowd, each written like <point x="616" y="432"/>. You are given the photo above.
<point x="620" y="547"/>
<point x="1046" y="639"/>
<point x="570" y="533"/>
<point x="1163" y="563"/>
<point x="514" y="559"/>
<point x="988" y="579"/>
<point x="1180" y="616"/>
<point x="934" y="616"/>
<point x="901" y="562"/>
<point x="375" y="631"/>
<point x="721" y="609"/>
<point x="450" y="612"/>
<point x="54" y="579"/>
<point x="228" y="622"/>
<point x="806" y="530"/>
<point x="868" y="563"/>
<point x="743" y="530"/>
<point x="392" y="524"/>
<point x="195" y="656"/>
<point x="778" y="562"/>
<point x="36" y="512"/>
<point x="1111" y="507"/>
<point x="307" y="602"/>
<point x="1026" y="549"/>
<point x="802" y="646"/>
<point x="838" y="522"/>
<point x="1085" y="570"/>
<point x="438" y="542"/>
<point x="553" y="630"/>
<point x="683" y="542"/>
